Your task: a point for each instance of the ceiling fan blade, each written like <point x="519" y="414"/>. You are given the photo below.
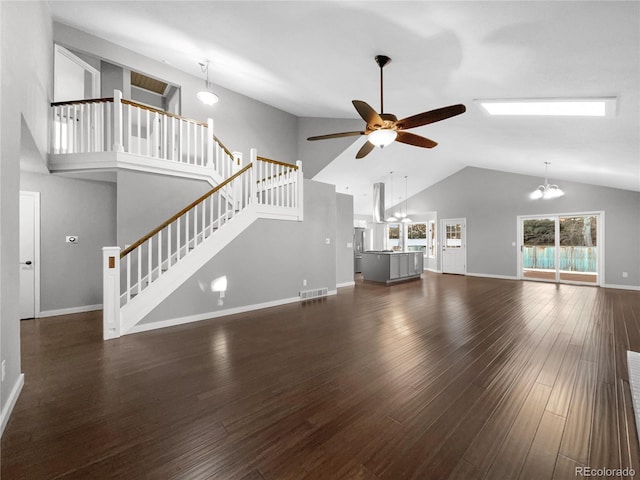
<point x="367" y="113"/>
<point x="335" y="135"/>
<point x="365" y="149"/>
<point x="431" y="116"/>
<point x="416" y="140"/>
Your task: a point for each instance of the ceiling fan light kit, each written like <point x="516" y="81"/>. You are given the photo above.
<point x="383" y="137"/>
<point x="382" y="129"/>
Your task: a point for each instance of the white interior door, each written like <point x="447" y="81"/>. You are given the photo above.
<point x="454" y="245"/>
<point x="29" y="257"/>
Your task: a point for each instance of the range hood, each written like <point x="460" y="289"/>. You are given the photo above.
<point x="378" y="202"/>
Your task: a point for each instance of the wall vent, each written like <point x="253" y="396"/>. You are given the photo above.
<point x="316" y="293"/>
<point x="633" y="364"/>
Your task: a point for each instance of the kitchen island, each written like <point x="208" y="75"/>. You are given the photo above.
<point x="390" y="267"/>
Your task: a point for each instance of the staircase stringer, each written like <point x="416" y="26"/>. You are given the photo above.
<point x="144" y="303"/>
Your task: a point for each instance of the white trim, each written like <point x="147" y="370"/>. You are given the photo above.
<point x="488" y="275"/>
<point x="463" y="222"/>
<point x="95" y="74"/>
<point x="622" y="287"/>
<point x="11" y="402"/>
<point x="114" y="161"/>
<point x="172" y="322"/>
<point x="36" y="248"/>
<point x="346" y="284"/>
<point x="600" y="234"/>
<point x="434" y="270"/>
<point x="68" y="311"/>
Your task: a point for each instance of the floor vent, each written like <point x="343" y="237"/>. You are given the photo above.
<point x="633" y="363"/>
<point x="317" y="293"/>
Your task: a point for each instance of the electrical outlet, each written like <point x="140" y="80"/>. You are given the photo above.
<point x="4" y="369"/>
<point x="625" y="274"/>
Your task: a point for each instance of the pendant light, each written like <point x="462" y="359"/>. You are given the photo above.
<point x="405" y="218"/>
<point x="392" y="218"/>
<point x="546" y="191"/>
<point x="206" y="96"/>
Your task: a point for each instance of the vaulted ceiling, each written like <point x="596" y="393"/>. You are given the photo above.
<point x="312" y="58"/>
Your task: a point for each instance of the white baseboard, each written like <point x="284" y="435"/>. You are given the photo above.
<point x="11" y="402"/>
<point x="487" y="275"/>
<point x="622" y="287"/>
<point x="432" y="270"/>
<point x="346" y="284"/>
<point x="68" y="311"/>
<point x="172" y="322"/>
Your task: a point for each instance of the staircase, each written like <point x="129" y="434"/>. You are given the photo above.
<point x="114" y="133"/>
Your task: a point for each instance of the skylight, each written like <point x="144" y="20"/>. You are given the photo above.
<point x="577" y="107"/>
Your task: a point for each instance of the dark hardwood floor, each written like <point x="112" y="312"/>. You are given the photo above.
<point x="450" y="377"/>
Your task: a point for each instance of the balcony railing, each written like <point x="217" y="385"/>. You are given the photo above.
<point x="119" y="125"/>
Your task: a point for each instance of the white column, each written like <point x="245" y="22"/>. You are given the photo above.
<point x="118" y="125"/>
<point x="300" y="190"/>
<point x="111" y="292"/>
<point x="210" y="142"/>
<point x="253" y="197"/>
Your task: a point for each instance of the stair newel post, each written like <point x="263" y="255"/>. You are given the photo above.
<point x="210" y="143"/>
<point x="111" y="292"/>
<point x="299" y="190"/>
<point x="253" y="190"/>
<point x="118" y="124"/>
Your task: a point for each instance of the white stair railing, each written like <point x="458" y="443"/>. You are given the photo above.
<point x="120" y="125"/>
<point x="273" y="189"/>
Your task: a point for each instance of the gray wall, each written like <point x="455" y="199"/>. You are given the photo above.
<point x="344" y="238"/>
<point x="146" y="200"/>
<point x="93" y="220"/>
<point x="26" y="62"/>
<point x="492" y="200"/>
<point x="319" y="153"/>
<point x="114" y="77"/>
<point x="267" y="262"/>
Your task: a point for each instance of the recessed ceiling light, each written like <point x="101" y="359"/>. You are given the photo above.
<point x="576" y="107"/>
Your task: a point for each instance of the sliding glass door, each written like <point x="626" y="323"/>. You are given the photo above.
<point x="560" y="248"/>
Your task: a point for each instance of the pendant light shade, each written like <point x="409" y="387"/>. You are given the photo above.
<point x="206" y="96"/>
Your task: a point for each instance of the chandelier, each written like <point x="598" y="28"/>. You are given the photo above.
<point x="546" y="190"/>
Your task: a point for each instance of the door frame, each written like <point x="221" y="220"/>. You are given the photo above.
<point x="599" y="236"/>
<point x="95" y="74"/>
<point x="36" y="253"/>
<point x="443" y="221"/>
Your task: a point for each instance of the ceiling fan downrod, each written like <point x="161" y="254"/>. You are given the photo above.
<point x="382" y="60"/>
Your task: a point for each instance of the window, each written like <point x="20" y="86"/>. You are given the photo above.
<point x="432" y="239"/>
<point x="393" y="237"/>
<point x="453" y="236"/>
<point x="417" y="237"/>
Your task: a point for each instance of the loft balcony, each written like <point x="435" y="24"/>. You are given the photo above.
<point x="95" y="138"/>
